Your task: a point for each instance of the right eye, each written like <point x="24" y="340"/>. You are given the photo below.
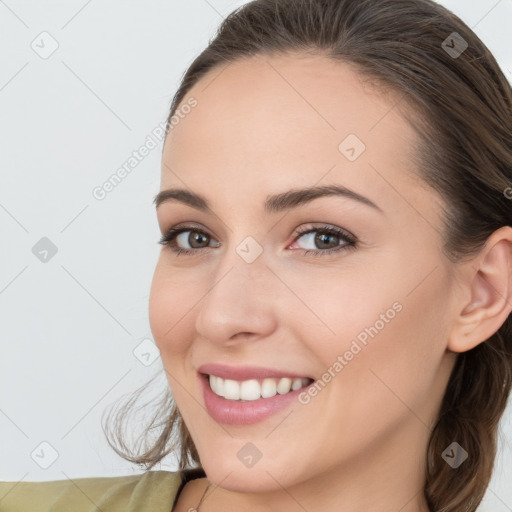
<point x="175" y="238"/>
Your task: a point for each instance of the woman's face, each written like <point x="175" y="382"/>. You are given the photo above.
<point x="255" y="300"/>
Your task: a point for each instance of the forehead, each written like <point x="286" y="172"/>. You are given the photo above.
<point x="276" y="121"/>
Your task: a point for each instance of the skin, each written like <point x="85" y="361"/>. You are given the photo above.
<point x="264" y="126"/>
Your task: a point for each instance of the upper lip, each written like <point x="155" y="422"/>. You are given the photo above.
<point x="242" y="373"/>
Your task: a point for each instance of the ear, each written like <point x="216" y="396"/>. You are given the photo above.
<point x="488" y="282"/>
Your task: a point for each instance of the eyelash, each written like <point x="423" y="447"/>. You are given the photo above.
<point x="169" y="238"/>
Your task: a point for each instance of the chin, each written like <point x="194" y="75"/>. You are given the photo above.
<point x="225" y="466"/>
<point x="246" y="480"/>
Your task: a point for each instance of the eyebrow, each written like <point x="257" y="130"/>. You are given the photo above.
<point x="273" y="204"/>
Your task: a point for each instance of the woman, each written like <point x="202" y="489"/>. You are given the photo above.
<point x="332" y="299"/>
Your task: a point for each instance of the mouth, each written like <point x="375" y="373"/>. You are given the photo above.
<point x="255" y="389"/>
<point x="244" y="395"/>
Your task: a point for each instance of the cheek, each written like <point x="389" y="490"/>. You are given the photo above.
<point x="171" y="322"/>
<point x="378" y="375"/>
<point x="342" y="308"/>
<point x="170" y="304"/>
<point x="382" y="333"/>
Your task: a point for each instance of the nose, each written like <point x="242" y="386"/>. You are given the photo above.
<point x="240" y="304"/>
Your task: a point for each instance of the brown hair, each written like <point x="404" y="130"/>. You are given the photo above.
<point x="462" y="111"/>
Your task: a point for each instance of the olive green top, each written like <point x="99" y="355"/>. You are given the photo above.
<point x="152" y="491"/>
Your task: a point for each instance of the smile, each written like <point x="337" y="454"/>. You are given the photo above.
<point x="254" y="389"/>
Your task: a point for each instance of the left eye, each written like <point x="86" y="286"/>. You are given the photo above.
<point x="325" y="236"/>
<point x="327" y="239"/>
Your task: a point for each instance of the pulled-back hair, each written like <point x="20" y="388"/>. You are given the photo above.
<point x="460" y="104"/>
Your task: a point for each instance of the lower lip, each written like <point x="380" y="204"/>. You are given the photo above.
<point x="235" y="412"/>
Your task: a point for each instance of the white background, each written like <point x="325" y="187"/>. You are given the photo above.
<point x="67" y="123"/>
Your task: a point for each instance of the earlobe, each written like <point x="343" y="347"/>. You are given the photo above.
<point x="490" y="288"/>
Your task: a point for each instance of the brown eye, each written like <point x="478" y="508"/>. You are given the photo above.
<point x="326" y="239"/>
<point x="179" y="238"/>
<point x="193" y="238"/>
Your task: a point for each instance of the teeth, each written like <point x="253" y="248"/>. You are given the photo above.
<point x="296" y="384"/>
<point x="284" y="386"/>
<point x="231" y="389"/>
<point x="217" y="385"/>
<point x="254" y="389"/>
<point x="268" y="388"/>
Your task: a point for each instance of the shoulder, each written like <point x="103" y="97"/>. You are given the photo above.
<point x="152" y="490"/>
